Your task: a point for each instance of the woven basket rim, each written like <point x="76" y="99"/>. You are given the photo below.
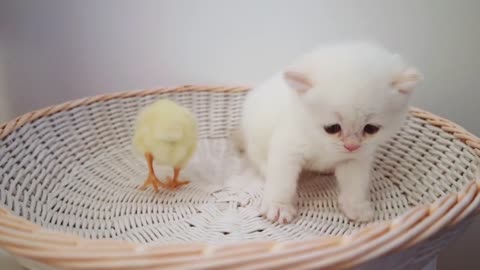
<point x="23" y="238"/>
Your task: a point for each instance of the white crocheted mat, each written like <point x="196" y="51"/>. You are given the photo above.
<point x="101" y="200"/>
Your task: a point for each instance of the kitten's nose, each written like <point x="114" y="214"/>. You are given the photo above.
<point x="351" y="147"/>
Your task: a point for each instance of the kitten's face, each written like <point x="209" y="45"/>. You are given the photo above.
<point x="356" y="95"/>
<point x="358" y="129"/>
<point x="354" y="116"/>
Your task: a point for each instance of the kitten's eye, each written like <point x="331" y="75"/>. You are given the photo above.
<point x="371" y="129"/>
<point x="332" y="129"/>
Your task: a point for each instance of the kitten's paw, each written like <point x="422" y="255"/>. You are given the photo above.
<point x="282" y="212"/>
<point x="356" y="210"/>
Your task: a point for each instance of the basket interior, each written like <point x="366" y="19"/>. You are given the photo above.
<point x="75" y="171"/>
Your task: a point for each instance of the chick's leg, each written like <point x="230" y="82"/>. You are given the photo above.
<point x="152" y="178"/>
<point x="174" y="182"/>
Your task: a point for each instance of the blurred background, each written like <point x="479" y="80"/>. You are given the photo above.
<point x="57" y="50"/>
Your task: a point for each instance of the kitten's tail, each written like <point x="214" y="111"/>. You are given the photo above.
<point x="238" y="140"/>
<point x="248" y="176"/>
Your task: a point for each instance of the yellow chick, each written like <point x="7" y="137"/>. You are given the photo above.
<point x="165" y="133"/>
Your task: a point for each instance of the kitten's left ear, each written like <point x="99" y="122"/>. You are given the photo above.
<point x="407" y="80"/>
<point x="298" y="81"/>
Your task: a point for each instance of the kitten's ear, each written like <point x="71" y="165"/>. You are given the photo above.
<point x="297" y="81"/>
<point x="407" y="80"/>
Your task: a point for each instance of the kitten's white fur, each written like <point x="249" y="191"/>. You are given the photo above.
<point x="282" y="127"/>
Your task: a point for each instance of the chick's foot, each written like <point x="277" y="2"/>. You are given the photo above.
<point x="152" y="178"/>
<point x="153" y="181"/>
<point x="173" y="183"/>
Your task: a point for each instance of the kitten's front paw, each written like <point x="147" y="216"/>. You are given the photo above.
<point x="356" y="210"/>
<point x="282" y="212"/>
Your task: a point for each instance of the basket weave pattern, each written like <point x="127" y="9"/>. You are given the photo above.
<point x="69" y="197"/>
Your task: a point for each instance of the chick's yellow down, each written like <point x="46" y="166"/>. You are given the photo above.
<point x="165" y="133"/>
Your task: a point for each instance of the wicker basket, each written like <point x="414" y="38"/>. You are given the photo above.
<point x="69" y="197"/>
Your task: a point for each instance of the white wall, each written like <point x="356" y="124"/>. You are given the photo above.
<point x="60" y="50"/>
<point x="5" y="111"/>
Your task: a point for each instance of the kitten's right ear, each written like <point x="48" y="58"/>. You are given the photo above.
<point x="407" y="80"/>
<point x="297" y="81"/>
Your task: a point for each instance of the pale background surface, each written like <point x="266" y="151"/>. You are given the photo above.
<point x="56" y="50"/>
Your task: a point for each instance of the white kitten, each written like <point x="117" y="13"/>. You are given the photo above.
<point x="329" y="110"/>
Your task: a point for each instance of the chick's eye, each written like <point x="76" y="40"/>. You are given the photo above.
<point x="332" y="129"/>
<point x="371" y="129"/>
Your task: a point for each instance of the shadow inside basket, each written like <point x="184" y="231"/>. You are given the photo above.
<point x="93" y="192"/>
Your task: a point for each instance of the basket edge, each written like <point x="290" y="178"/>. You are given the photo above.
<point x="10" y="126"/>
